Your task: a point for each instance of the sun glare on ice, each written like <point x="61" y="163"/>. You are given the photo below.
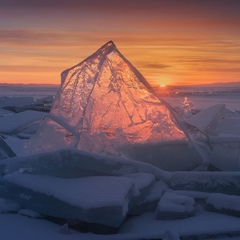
<point x="162" y="85"/>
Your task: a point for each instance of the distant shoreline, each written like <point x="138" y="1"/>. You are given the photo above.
<point x="28" y="85"/>
<point x="217" y="84"/>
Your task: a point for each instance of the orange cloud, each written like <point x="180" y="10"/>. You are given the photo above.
<point x="181" y="41"/>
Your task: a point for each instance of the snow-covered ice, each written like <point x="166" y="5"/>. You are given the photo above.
<point x="175" y="206"/>
<point x="224" y="203"/>
<point x="207" y="181"/>
<point x="98" y="199"/>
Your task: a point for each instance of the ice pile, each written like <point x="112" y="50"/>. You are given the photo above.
<point x="223" y="128"/>
<point x="97" y="193"/>
<point x="82" y="188"/>
<point x="20" y="117"/>
<point x="83" y="170"/>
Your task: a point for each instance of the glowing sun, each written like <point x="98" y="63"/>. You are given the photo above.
<point x="162" y="85"/>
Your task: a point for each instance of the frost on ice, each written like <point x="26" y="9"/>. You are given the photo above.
<point x="106" y="106"/>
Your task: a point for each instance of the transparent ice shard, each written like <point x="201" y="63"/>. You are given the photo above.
<point x="187" y="107"/>
<point x="106" y="106"/>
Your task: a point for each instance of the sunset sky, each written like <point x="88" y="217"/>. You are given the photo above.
<point x="168" y="41"/>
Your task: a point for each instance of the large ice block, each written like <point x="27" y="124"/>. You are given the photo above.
<point x="106" y="106"/>
<point x="222" y="203"/>
<point x="102" y="200"/>
<point x="175" y="206"/>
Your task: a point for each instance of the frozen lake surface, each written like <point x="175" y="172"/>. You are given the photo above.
<point x="204" y="96"/>
<point x="31" y="90"/>
<point x="201" y="96"/>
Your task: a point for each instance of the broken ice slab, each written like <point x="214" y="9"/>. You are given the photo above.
<point x="149" y="200"/>
<point x="102" y="200"/>
<point x="143" y="183"/>
<point x="223" y="134"/>
<point x="175" y="206"/>
<point x="214" y="182"/>
<point x="223" y="203"/>
<point x="72" y="163"/>
<point x="33" y="191"/>
<point x="15" y="123"/>
<point x="208" y="119"/>
<point x="226" y="144"/>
